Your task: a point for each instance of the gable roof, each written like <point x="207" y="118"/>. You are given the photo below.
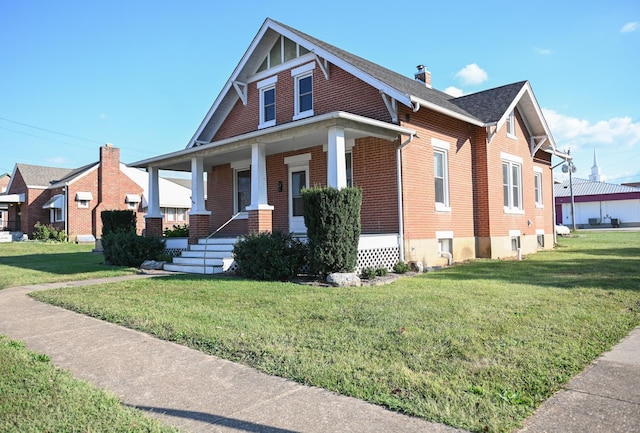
<point x="591" y="187"/>
<point x="37" y="176"/>
<point x="488" y="108"/>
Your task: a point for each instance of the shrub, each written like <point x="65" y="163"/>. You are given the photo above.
<point x="401" y="267"/>
<point x="382" y="271"/>
<point x="48" y="233"/>
<point x="267" y="256"/>
<point x="114" y="221"/>
<point x="178" y="231"/>
<point x="128" y="249"/>
<point x="332" y="218"/>
<point x="368" y="273"/>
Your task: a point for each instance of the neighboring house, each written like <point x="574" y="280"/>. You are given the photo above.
<point x="4" y="207"/>
<point x="443" y="178"/>
<point x="73" y="199"/>
<point x="598" y="204"/>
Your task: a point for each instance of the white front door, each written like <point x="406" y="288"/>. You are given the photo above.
<point x="298" y="179"/>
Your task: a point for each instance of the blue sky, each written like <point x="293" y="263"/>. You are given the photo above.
<point x="142" y="74"/>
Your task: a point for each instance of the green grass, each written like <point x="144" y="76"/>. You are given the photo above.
<point x="477" y="346"/>
<point x="24" y="263"/>
<point x="37" y="397"/>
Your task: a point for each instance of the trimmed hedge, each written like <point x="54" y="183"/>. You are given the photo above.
<point x="332" y="218"/>
<point x="114" y="221"/>
<point x="128" y="249"/>
<point x="268" y="256"/>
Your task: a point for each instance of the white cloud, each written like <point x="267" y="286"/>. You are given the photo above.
<point x="453" y="91"/>
<point x="573" y="132"/>
<point x="472" y="74"/>
<point x="630" y="27"/>
<point x="544" y="51"/>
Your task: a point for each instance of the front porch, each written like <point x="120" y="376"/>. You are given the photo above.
<point x="256" y="178"/>
<point x="214" y="255"/>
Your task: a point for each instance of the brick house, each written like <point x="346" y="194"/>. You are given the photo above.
<point x="443" y="178"/>
<point x="73" y="199"/>
<point x="4" y="207"/>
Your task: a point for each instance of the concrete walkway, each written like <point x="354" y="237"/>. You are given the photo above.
<point x="201" y="393"/>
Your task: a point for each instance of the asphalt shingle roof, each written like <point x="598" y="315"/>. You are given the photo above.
<point x="37" y="175"/>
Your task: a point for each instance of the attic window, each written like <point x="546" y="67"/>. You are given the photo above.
<point x="511" y="125"/>
<point x="282" y="51"/>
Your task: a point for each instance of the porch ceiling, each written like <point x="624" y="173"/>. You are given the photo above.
<point x="282" y="138"/>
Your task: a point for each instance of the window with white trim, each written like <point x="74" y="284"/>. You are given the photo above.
<point x="132" y="205"/>
<point x="511" y="125"/>
<point x="181" y="214"/>
<point x="267" y="88"/>
<point x="83" y="204"/>
<point x="441" y="174"/>
<point x="303" y="79"/>
<point x="537" y="188"/>
<point x="56" y="215"/>
<point x="515" y="243"/>
<point x="512" y="185"/>
<point x="242" y="187"/>
<point x="283" y="50"/>
<point x="348" y="161"/>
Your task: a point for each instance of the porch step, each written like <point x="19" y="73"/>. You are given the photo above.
<point x="208" y="256"/>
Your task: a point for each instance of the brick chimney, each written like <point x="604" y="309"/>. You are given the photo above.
<point x="423" y="75"/>
<point x="108" y="173"/>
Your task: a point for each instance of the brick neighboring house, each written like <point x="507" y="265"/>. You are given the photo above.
<point x="4" y="207"/>
<point x="73" y="199"/>
<point x="443" y="178"/>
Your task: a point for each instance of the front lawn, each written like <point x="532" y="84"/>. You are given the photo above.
<point x="477" y="346"/>
<point x="24" y="263"/>
<point x="37" y="397"/>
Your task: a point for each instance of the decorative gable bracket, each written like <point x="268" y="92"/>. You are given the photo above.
<point x="392" y="106"/>
<point x="536" y="142"/>
<point x="491" y="132"/>
<point x="324" y="66"/>
<point x="241" y="88"/>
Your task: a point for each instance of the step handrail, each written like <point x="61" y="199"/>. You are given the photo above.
<point x="206" y="242"/>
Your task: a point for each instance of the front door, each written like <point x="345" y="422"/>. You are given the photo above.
<point x="298" y="179"/>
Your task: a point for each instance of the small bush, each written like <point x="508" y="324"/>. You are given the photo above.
<point x="368" y="273"/>
<point x="382" y="271"/>
<point x="401" y="267"/>
<point x="178" y="231"/>
<point x="267" y="256"/>
<point x="129" y="249"/>
<point x="48" y="232"/>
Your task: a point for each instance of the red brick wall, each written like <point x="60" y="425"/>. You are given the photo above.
<point x="355" y="97"/>
<point x="31" y="211"/>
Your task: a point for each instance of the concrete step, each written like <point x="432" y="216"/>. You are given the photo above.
<point x="197" y="261"/>
<point x="208" y="270"/>
<point x="212" y="247"/>
<point x="209" y="254"/>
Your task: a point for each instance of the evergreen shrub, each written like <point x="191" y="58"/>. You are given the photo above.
<point x="114" y="221"/>
<point x="126" y="248"/>
<point x="268" y="256"/>
<point x="332" y="218"/>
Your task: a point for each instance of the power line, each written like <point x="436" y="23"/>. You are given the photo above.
<point x="51" y="131"/>
<point x="44" y="138"/>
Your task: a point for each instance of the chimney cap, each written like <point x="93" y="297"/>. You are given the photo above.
<point x="109" y="145"/>
<point x="421" y="68"/>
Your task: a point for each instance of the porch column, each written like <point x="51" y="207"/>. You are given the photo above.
<point x="336" y="165"/>
<point x="199" y="216"/>
<point x="153" y="219"/>
<point x="259" y="211"/>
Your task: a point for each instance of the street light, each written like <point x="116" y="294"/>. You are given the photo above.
<point x="570" y="167"/>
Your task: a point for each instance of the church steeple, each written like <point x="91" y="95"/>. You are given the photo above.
<point x="595" y="170"/>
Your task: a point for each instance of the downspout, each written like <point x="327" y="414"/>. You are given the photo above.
<point x="66" y="211"/>
<point x="553" y="198"/>
<point x="400" y="212"/>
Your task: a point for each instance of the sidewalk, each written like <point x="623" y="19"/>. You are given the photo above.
<point x="201" y="393"/>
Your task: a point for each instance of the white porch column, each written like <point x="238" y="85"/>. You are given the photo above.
<point x="336" y="165"/>
<point x="259" y="200"/>
<point x="197" y="187"/>
<point x="153" y="205"/>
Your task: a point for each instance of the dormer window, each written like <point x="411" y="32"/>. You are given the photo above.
<point x="282" y="51"/>
<point x="511" y="125"/>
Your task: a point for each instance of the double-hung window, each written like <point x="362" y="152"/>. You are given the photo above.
<point x="441" y="174"/>
<point x="267" y="89"/>
<point x="512" y="183"/>
<point x="511" y="125"/>
<point x="348" y="160"/>
<point x="243" y="189"/>
<point x="303" y="79"/>
<point x="537" y="185"/>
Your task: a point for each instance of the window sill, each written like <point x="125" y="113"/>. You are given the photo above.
<point x="242" y="216"/>
<point x="303" y="115"/>
<point x="512" y="136"/>
<point x="539" y="206"/>
<point x="267" y="124"/>
<point x="509" y="210"/>
<point x="442" y="208"/>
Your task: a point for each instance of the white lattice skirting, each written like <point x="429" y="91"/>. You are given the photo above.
<point x="378" y="250"/>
